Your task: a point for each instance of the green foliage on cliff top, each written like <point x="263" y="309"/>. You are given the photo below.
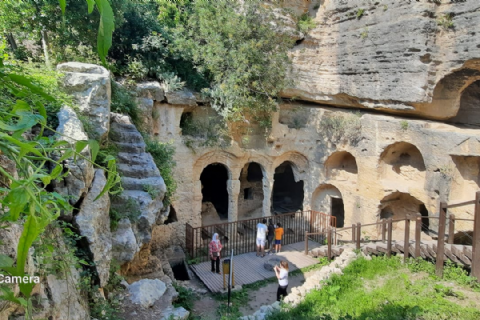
<point x="241" y="55"/>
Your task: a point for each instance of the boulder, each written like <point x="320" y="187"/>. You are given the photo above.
<point x="272" y="262"/>
<point x="172" y="313"/>
<point x="150" y="90"/>
<point x="124" y="243"/>
<point x="80" y="172"/>
<point x="93" y="221"/>
<point x="90" y="87"/>
<point x="181" y="97"/>
<point x="145" y="292"/>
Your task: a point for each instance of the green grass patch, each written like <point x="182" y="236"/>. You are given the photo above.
<point x="386" y="289"/>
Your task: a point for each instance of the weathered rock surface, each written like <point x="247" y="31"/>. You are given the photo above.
<point x="395" y="56"/>
<point x="144" y="187"/>
<point x="145" y="292"/>
<point x="80" y="172"/>
<point x="89" y="84"/>
<point x="124" y="243"/>
<point x="181" y="97"/>
<point x="93" y="221"/>
<point x="172" y="313"/>
<point x="150" y="90"/>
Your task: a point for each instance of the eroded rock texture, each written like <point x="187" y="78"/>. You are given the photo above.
<point x="395" y="56"/>
<point x="144" y="189"/>
<point x="89" y="84"/>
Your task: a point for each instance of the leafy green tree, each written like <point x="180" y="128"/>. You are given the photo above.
<point x="240" y="52"/>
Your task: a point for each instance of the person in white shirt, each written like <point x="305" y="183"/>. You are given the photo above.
<point x="282" y="275"/>
<point x="261" y="237"/>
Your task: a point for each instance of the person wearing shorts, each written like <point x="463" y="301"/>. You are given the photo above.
<point x="261" y="237"/>
<point x="278" y="237"/>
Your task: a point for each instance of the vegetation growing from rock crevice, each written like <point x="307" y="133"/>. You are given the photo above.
<point x="342" y="127"/>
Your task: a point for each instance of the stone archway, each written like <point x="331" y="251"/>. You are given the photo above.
<point x="402" y="160"/>
<point x="398" y="205"/>
<point x="328" y="199"/>
<point x="215" y="196"/>
<point x="341" y="166"/>
<point x="469" y="110"/>
<point x="287" y="194"/>
<point x="251" y="196"/>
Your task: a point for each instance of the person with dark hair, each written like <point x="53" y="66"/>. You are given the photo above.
<point x="261" y="237"/>
<point x="271" y="235"/>
<point x="214" y="249"/>
<point x="278" y="237"/>
<point x="282" y="275"/>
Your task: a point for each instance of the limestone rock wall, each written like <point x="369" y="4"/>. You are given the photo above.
<point x="394" y="56"/>
<point x="378" y="165"/>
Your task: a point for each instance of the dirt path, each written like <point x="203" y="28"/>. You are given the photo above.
<point x="206" y="306"/>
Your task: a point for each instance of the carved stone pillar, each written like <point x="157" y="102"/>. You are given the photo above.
<point x="267" y="194"/>
<point x="233" y="188"/>
<point x="197" y="203"/>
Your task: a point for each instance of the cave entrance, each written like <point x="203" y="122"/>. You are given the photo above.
<point x="215" y="195"/>
<point x="425" y="221"/>
<point x="250" y="199"/>
<point x="338" y="211"/>
<point x="287" y="195"/>
<point x="180" y="271"/>
<point x="172" y="215"/>
<point x="469" y="111"/>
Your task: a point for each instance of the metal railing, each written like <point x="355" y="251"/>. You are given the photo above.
<point x="241" y="235"/>
<point x="387" y="229"/>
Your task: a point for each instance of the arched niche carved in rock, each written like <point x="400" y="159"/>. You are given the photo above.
<point x="250" y="198"/>
<point x="341" y="166"/>
<point x="328" y="199"/>
<point x="398" y="205"/>
<point x="287" y="195"/>
<point x="214" y="194"/>
<point x="402" y="160"/>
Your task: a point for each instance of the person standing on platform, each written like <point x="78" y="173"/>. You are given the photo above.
<point x="261" y="237"/>
<point x="278" y="237"/>
<point x="214" y="249"/>
<point x="271" y="235"/>
<point x="282" y="275"/>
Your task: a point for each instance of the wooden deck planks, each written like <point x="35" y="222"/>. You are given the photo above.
<point x="249" y="268"/>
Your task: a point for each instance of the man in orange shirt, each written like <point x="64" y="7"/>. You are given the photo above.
<point x="278" y="237"/>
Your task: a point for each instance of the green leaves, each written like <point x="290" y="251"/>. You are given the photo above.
<point x="105" y="29"/>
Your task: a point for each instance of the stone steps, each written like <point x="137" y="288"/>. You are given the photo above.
<point x="131" y="147"/>
<point x="129" y="183"/>
<point x="138" y="171"/>
<point x="460" y="254"/>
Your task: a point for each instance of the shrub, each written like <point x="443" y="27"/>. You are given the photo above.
<point x="123" y="101"/>
<point x="242" y="56"/>
<point x="404" y="124"/>
<point x="446" y="21"/>
<point x="360" y="13"/>
<point x="162" y="154"/>
<point x="342" y="127"/>
<point x="209" y="132"/>
<point x="306" y="23"/>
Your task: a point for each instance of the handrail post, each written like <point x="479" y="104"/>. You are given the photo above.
<point x="406" y="243"/>
<point x="306" y="242"/>
<point x="389" y="238"/>
<point x="359" y="233"/>
<point x="451" y="228"/>
<point x="418" y="230"/>
<point x="476" y="239"/>
<point x="384" y="230"/>
<point x="329" y="239"/>
<point x="353" y="233"/>
<point x="441" y="239"/>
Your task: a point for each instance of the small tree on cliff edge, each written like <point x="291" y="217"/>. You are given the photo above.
<point x="240" y="49"/>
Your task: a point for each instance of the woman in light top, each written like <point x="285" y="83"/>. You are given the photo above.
<point x="282" y="275"/>
<point x="214" y="249"/>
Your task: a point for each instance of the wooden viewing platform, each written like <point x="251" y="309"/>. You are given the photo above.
<point x="249" y="268"/>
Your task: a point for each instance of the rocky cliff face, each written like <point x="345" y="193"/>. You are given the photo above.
<point x="403" y="57"/>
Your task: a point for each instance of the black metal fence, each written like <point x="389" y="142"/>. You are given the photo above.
<point x="241" y="235"/>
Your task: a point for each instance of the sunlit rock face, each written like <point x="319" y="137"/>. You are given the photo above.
<point x="403" y="57"/>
